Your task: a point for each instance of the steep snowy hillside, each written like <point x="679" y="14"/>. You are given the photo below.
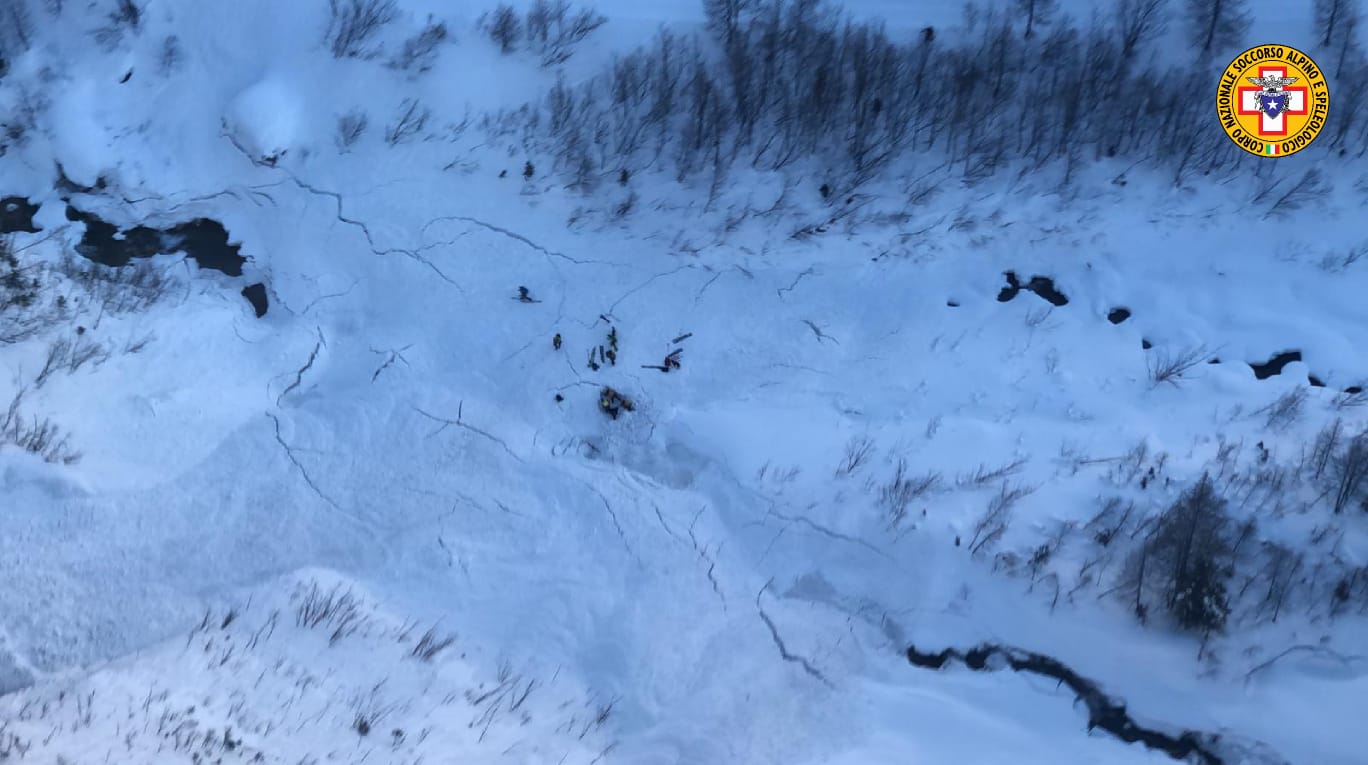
<point x="307" y="335"/>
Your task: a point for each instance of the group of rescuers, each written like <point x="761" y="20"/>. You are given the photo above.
<point x="611" y="402"/>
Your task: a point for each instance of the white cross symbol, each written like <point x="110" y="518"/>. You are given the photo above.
<point x="1250" y="103"/>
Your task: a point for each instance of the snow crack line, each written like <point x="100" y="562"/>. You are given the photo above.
<point x="395" y="354"/>
<point x="370" y="240"/>
<point x="703" y="554"/>
<point x="646" y="284"/>
<point x="807" y="272"/>
<point x="515" y="236"/>
<point x="816" y="330"/>
<point x="820" y="529"/>
<point x="779" y="641"/>
<point x="616" y="523"/>
<point x="295" y="461"/>
<point x="299" y="376"/>
<point x="458" y="422"/>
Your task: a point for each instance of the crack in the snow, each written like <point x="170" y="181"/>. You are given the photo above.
<point x="799" y="519"/>
<point x="646" y="284"/>
<point x="365" y="230"/>
<point x="394" y="355"/>
<point x="703" y="554"/>
<point x="806" y="272"/>
<point x="289" y="452"/>
<point x="699" y="295"/>
<point x="515" y="236"/>
<point x="779" y="641"/>
<point x="821" y="336"/>
<point x="321" y="298"/>
<point x="299" y="375"/>
<point x="663" y="524"/>
<point x="616" y="523"/>
<point x="460" y="423"/>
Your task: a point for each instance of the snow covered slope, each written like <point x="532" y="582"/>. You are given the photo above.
<point x="714" y="577"/>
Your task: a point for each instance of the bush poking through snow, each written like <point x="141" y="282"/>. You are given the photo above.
<point x="117" y="289"/>
<point x="503" y="27"/>
<point x="1311" y="187"/>
<point x="553" y="31"/>
<point x="410" y="121"/>
<point x="550" y="29"/>
<point x="336" y="610"/>
<point x="353" y="24"/>
<point x="420" y="50"/>
<point x="858" y="450"/>
<point x="171" y="55"/>
<point x="20" y="317"/>
<point x="350" y="127"/>
<point x="431" y="644"/>
<point x="896" y="496"/>
<point x="126" y="15"/>
<point x="67" y="356"/>
<point x="16" y="30"/>
<point x="1349" y="472"/>
<point x="995" y="520"/>
<point x="42" y="437"/>
<point x="1172" y="368"/>
<point x="1285" y="410"/>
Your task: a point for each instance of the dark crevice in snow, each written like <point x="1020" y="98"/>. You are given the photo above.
<point x="460" y="423"/>
<point x="784" y="652"/>
<point x="703" y="555"/>
<point x="824" y="531"/>
<point x="289" y="452"/>
<point x="646" y="284"/>
<point x="256" y="295"/>
<point x="365" y="231"/>
<point x="1043" y="286"/>
<point x="203" y="240"/>
<point x="514" y="236"/>
<point x="299" y="375"/>
<point x="1118" y="315"/>
<point x="16" y="216"/>
<point x="1103" y="711"/>
<point x="1274" y="366"/>
<point x="794" y="284"/>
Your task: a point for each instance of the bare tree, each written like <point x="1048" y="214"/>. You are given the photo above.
<point x="1218" y="23"/>
<point x="1311" y="187"/>
<point x="994" y="522"/>
<point x="504" y="27"/>
<point x="1036" y="12"/>
<point x="409" y="122"/>
<point x="1139" y="21"/>
<point x="1185" y="561"/>
<point x="16" y="29"/>
<point x="1335" y="19"/>
<point x="1172" y="368"/>
<point x="725" y="18"/>
<point x="353" y="24"/>
<point x="350" y="127"/>
<point x="420" y="50"/>
<point x="1349" y="471"/>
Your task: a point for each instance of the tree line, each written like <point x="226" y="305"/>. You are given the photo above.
<point x="775" y="82"/>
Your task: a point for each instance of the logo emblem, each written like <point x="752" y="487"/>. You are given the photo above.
<point x="1272" y="100"/>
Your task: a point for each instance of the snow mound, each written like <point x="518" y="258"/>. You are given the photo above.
<point x="268" y="118"/>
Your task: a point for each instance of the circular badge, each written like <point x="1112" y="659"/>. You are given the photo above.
<point x="1272" y="100"/>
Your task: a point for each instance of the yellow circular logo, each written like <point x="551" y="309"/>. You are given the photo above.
<point x="1272" y="100"/>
